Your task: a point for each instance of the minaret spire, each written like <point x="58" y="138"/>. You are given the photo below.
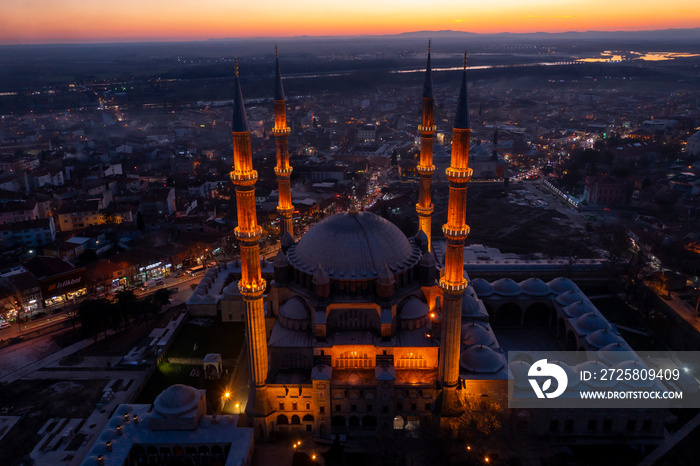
<point x="251" y="284"/>
<point x="283" y="170"/>
<point x="425" y="168"/>
<point x="456" y="230"/>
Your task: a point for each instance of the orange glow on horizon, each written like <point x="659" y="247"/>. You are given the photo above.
<point x="47" y="21"/>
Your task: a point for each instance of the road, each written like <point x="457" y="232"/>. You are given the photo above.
<point x="182" y="283"/>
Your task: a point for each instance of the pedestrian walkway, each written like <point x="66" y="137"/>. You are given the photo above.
<point x="50" y="359"/>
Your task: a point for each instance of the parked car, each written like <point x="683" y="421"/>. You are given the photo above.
<point x="4" y="325"/>
<point x="58" y="310"/>
<point x="38" y="315"/>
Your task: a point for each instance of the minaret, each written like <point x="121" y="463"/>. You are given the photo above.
<point x="452" y="281"/>
<point x="283" y="170"/>
<point x="425" y="167"/>
<point x="251" y="284"/>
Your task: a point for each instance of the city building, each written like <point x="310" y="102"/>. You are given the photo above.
<point x="175" y="429"/>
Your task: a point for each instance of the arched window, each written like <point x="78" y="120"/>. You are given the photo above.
<point x="282" y="420"/>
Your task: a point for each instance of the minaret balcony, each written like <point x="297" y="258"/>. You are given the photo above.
<point x="458" y="175"/>
<point x="244" y="178"/>
<point x="453" y="288"/>
<point x="281" y="131"/>
<point x="248" y="234"/>
<point x="424" y="211"/>
<point x="283" y="171"/>
<point x="252" y="290"/>
<point x="285" y="210"/>
<point x="427" y="129"/>
<point x="459" y="232"/>
<point x="425" y="170"/>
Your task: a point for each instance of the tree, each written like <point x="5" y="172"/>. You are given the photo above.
<point x="92" y="315"/>
<point x="616" y="243"/>
<point x="127" y="303"/>
<point x="140" y="224"/>
<point x="481" y="420"/>
<point x="161" y="297"/>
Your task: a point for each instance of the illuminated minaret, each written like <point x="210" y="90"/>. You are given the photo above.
<point x="283" y="170"/>
<point x="425" y="167"/>
<point x="452" y="280"/>
<point x="248" y="233"/>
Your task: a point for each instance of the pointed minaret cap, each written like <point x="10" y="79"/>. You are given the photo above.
<point x="279" y="90"/>
<point x="428" y="84"/>
<point x="239" y="122"/>
<point x="462" y="116"/>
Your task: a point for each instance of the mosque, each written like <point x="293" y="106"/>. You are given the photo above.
<point x="366" y="330"/>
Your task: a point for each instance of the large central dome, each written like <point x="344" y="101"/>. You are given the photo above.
<point x="353" y="246"/>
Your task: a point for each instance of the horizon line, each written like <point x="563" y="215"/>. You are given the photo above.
<point x="340" y="37"/>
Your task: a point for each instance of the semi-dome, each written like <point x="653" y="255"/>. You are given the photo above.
<point x="506" y="287"/>
<point x="413" y="308"/>
<point x="354" y="245"/>
<point x="535" y="287"/>
<point x="294" y="309"/>
<point x="482" y="287"/>
<point x="176" y="399"/>
<point x="481" y="359"/>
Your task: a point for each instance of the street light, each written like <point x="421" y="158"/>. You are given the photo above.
<point x="238" y="407"/>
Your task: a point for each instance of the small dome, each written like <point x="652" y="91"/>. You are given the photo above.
<point x="232" y="289"/>
<point x="470" y="306"/>
<point x="176" y="399"/>
<point x="602" y="338"/>
<point x="570" y="297"/>
<point x="475" y="334"/>
<point x="560" y="285"/>
<point x="481" y="359"/>
<point x="294" y="309"/>
<point x="413" y="308"/>
<point x="519" y="373"/>
<point x="482" y="287"/>
<point x="589" y="323"/>
<point x="506" y="287"/>
<point x="578" y="309"/>
<point x="535" y="287"/>
<point x="617" y="352"/>
<point x="571" y="374"/>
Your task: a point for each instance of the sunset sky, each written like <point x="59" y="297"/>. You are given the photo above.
<point x="73" y="21"/>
